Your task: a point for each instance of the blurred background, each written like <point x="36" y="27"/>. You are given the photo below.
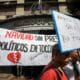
<point x="31" y="16"/>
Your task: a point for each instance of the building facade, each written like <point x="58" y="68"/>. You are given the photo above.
<point x="12" y="8"/>
<point x="30" y="15"/>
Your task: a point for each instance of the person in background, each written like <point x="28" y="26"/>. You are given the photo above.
<point x="56" y="69"/>
<point x="72" y="69"/>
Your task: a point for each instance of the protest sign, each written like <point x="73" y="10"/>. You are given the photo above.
<point x="68" y="31"/>
<point x="25" y="49"/>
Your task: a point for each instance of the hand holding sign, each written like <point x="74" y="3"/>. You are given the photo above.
<point x="14" y="57"/>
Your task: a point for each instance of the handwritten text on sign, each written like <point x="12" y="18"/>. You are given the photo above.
<point x="25" y="49"/>
<point x="68" y="30"/>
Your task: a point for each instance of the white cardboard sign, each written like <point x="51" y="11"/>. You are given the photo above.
<point x="68" y="31"/>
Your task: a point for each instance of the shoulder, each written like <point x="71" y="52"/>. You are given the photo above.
<point x="50" y="71"/>
<point x="48" y="75"/>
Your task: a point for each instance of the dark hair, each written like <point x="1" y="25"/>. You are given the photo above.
<point x="55" y="50"/>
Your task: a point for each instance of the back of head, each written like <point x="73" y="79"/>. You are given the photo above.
<point x="55" y="50"/>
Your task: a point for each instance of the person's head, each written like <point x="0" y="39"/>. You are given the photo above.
<point x="75" y="55"/>
<point x="62" y="58"/>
